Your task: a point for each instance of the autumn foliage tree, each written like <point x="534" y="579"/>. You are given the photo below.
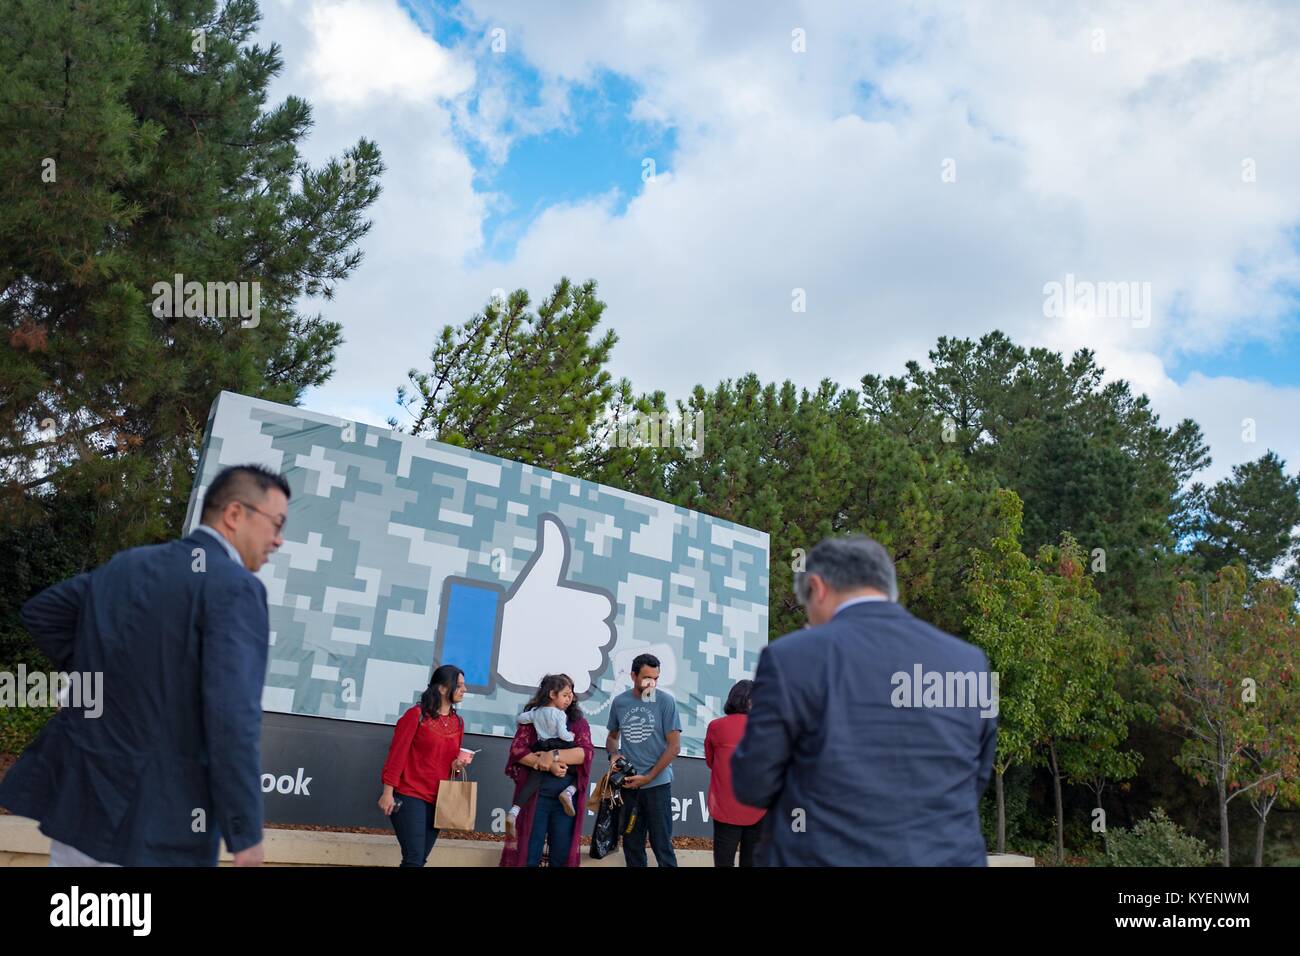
<point x="1225" y="643"/>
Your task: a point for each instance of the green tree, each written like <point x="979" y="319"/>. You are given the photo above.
<point x="526" y="386"/>
<point x="1007" y="596"/>
<point x="1248" y="517"/>
<point x="805" y="464"/>
<point x="1084" y="456"/>
<point x="136" y="147"/>
<point x="1096" y="757"/>
<point x="1157" y="841"/>
<point x="1058" y="661"/>
<point x="799" y="464"/>
<point x="1085" y="717"/>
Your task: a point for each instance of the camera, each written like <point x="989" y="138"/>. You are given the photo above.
<point x="621" y="771"/>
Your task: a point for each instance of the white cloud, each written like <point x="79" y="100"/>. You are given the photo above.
<point x="365" y="52"/>
<point x="428" y="218"/>
<point x="1117" y="165"/>
<point x="1241" y="419"/>
<point x="821" y="171"/>
<point x="500" y="112"/>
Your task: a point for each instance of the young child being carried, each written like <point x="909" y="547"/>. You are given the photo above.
<point x="552" y="726"/>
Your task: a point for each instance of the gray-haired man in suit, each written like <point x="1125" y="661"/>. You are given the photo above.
<point x="855" y="766"/>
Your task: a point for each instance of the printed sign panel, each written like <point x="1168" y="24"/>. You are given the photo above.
<point x="326" y="773"/>
<point x="402" y="553"/>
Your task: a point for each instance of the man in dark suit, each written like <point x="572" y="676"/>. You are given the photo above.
<point x="871" y="734"/>
<point x="179" y="632"/>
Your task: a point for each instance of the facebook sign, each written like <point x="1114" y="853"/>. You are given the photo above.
<point x="402" y="553"/>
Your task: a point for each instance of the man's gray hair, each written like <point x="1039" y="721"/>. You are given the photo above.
<point x="848" y="564"/>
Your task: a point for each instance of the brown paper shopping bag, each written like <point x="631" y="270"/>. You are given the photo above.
<point x="593" y="802"/>
<point x="456" y="805"/>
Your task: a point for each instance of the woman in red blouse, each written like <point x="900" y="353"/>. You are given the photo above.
<point x="734" y="823"/>
<point x="425" y="751"/>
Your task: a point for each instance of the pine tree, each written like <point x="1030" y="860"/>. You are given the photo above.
<point x="1084" y="456"/>
<point x="531" y="387"/>
<point x="1248" y="517"/>
<point x="137" y="146"/>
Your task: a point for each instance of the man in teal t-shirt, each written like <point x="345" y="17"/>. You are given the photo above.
<point x="644" y="728"/>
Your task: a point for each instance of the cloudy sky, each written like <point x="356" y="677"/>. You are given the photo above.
<point x="900" y="171"/>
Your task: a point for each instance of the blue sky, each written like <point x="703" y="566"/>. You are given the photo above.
<point x="598" y="151"/>
<point x="601" y="152"/>
<point x="1275" y="362"/>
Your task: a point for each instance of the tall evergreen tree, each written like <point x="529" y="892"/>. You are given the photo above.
<point x="1250" y="516"/>
<point x="1085" y="457"/>
<point x="526" y="386"/>
<point x="136" y="146"/>
<point x="799" y="464"/>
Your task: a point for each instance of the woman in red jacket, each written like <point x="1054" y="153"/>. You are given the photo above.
<point x="734" y="823"/>
<point x="425" y="751"/>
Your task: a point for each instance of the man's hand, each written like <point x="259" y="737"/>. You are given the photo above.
<point x="457" y="766"/>
<point x="254" y="856"/>
<point x="638" y="780"/>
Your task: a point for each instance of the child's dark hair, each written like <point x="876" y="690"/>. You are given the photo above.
<point x="553" y="684"/>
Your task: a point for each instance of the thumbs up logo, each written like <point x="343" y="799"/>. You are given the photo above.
<point x="543" y="625"/>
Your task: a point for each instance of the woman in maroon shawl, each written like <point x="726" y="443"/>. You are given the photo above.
<point x="572" y="767"/>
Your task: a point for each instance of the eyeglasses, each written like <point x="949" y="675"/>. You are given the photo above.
<point x="279" y="525"/>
